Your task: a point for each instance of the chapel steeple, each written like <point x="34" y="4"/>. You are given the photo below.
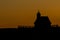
<point x="38" y="14"/>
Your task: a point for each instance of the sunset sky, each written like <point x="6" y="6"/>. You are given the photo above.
<point x="23" y="12"/>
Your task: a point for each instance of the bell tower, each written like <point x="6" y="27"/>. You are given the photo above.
<point x="38" y="15"/>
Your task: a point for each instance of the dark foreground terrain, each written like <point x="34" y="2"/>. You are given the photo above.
<point x="8" y="30"/>
<point x="28" y="33"/>
<point x="52" y="29"/>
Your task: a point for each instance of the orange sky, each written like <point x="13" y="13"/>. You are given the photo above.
<point x="23" y="12"/>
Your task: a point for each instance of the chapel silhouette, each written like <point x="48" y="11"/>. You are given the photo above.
<point x="42" y="22"/>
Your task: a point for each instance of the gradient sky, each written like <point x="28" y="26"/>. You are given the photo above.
<point x="23" y="12"/>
